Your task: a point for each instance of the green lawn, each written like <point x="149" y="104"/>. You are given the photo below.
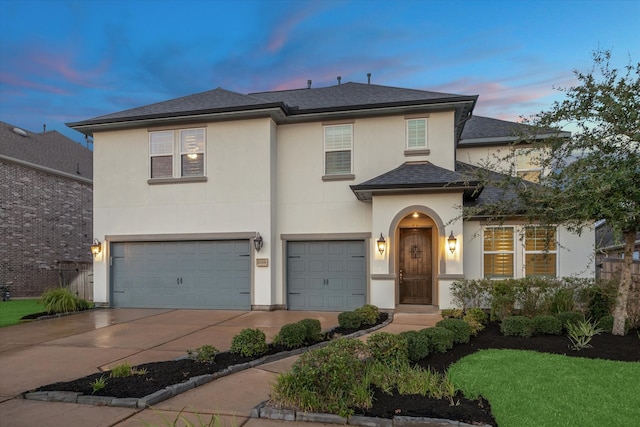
<point x="12" y="311"/>
<point x="527" y="388"/>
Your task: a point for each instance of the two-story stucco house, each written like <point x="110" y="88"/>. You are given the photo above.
<point x="311" y="199"/>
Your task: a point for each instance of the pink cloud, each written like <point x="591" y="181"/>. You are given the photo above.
<point x="19" y="82"/>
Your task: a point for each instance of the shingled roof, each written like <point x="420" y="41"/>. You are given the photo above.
<point x="353" y="99"/>
<point x="49" y="150"/>
<point x="416" y="177"/>
<point x="480" y="131"/>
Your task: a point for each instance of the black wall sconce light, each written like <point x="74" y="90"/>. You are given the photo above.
<point x="382" y="244"/>
<point x="452" y="242"/>
<point x="258" y="242"/>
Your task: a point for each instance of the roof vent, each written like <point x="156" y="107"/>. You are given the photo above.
<point x="368" y="78"/>
<point x="339" y="78"/>
<point x="20" y="132"/>
<point x="308" y="84"/>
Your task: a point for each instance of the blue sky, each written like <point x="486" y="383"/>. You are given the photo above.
<point x="64" y="61"/>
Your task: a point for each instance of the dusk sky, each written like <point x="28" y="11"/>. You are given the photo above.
<point x="65" y="61"/>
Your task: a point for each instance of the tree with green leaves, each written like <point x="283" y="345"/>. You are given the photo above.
<point x="592" y="174"/>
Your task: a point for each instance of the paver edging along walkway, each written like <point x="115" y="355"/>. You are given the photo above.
<point x="176" y="389"/>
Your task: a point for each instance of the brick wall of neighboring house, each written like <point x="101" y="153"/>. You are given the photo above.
<point x="47" y="224"/>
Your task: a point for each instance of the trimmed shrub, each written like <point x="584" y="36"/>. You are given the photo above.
<point x="606" y="324"/>
<point x="547" y="324"/>
<point x="517" y="326"/>
<point x="472" y="293"/>
<point x="477" y="319"/>
<point x="503" y="300"/>
<point x="292" y="335"/>
<point x="563" y="300"/>
<point x="440" y="339"/>
<point x="417" y="345"/>
<point x="452" y="313"/>
<point x="533" y="294"/>
<point x="368" y="313"/>
<point x="325" y="380"/>
<point x="204" y="354"/>
<point x="387" y="348"/>
<point x="569" y="317"/>
<point x="249" y="342"/>
<point x="461" y="329"/>
<point x="349" y="320"/>
<point x="313" y="330"/>
<point x="600" y="303"/>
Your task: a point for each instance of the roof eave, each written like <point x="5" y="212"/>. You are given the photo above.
<point x="366" y="192"/>
<point x="274" y="110"/>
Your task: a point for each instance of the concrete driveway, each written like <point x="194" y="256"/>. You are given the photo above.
<point x="65" y="348"/>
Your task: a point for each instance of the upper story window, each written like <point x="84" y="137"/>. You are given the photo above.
<point x="499" y="253"/>
<point x="416" y="134"/>
<point x="528" y="164"/>
<point x="177" y="154"/>
<point x="338" y="148"/>
<point x="540" y="251"/>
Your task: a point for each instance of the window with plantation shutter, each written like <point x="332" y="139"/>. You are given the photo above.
<point x="498" y="248"/>
<point x="161" y="154"/>
<point x="338" y="147"/>
<point x="416" y="134"/>
<point x="177" y="154"/>
<point x="540" y="251"/>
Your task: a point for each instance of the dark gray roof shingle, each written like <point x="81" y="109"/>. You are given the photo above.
<point x="49" y="149"/>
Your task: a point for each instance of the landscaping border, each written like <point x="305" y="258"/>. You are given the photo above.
<point x="176" y="389"/>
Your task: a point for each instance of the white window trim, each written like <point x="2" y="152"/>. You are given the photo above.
<point x="532" y="168"/>
<point x="426" y="134"/>
<point x="176" y="156"/>
<point x="336" y="176"/>
<point x="513" y="251"/>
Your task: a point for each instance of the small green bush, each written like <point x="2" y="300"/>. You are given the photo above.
<point x="205" y="354"/>
<point x="292" y="335"/>
<point x="569" y="317"/>
<point x="606" y="324"/>
<point x="388" y="348"/>
<point x="477" y="319"/>
<point x="517" y="326"/>
<point x="451" y="313"/>
<point x="581" y="333"/>
<point x="313" y="330"/>
<point x="503" y="300"/>
<point x="547" y="324"/>
<point x="600" y="303"/>
<point x="368" y="313"/>
<point x="125" y="370"/>
<point x="563" y="300"/>
<point x="461" y="329"/>
<point x="440" y="339"/>
<point x="417" y="345"/>
<point x="249" y="343"/>
<point x="328" y="379"/>
<point x="349" y="320"/>
<point x="472" y="293"/>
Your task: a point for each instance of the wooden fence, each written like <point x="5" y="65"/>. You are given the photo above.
<point x="609" y="268"/>
<point x="77" y="277"/>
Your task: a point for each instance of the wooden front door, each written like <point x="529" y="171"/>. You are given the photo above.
<point x="415" y="278"/>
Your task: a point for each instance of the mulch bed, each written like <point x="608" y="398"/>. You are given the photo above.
<point x="163" y="374"/>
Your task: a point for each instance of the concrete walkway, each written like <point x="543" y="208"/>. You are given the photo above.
<point x="65" y="348"/>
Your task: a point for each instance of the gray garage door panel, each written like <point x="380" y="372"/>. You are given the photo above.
<point x="326" y="275"/>
<point x="194" y="274"/>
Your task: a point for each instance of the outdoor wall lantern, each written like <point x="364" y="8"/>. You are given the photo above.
<point x="381" y="244"/>
<point x="257" y="242"/>
<point x="96" y="247"/>
<point x="452" y="242"/>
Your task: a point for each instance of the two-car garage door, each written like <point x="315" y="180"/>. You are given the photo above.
<point x="191" y="274"/>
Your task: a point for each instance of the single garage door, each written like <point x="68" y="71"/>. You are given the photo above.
<point x="326" y="275"/>
<point x="193" y="274"/>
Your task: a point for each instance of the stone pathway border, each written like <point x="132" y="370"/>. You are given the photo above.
<point x="176" y="389"/>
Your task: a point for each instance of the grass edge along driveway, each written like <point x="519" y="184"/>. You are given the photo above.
<point x="527" y="388"/>
<point x="13" y="310"/>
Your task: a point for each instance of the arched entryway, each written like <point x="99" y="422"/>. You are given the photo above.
<point x="417" y="260"/>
